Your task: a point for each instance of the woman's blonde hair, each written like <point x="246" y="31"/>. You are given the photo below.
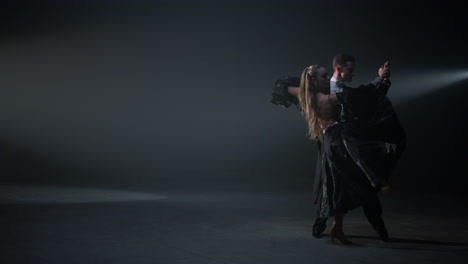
<point x="308" y="101"/>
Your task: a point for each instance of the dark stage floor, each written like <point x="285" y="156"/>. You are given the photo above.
<point x="60" y="224"/>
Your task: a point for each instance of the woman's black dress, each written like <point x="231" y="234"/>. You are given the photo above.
<point x="355" y="156"/>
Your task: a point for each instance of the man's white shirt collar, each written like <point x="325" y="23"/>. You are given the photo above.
<point x="333" y="87"/>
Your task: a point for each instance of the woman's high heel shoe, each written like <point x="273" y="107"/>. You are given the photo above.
<point x="385" y="187"/>
<point x="340" y="236"/>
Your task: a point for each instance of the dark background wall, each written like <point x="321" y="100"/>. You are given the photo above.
<point x="158" y="92"/>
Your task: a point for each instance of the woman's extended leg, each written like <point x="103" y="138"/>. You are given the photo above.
<point x="337" y="230"/>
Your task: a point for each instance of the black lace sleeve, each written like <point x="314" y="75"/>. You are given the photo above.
<point x="355" y="96"/>
<point x="281" y="96"/>
<point x="382" y="89"/>
<point x="361" y="102"/>
<point x="364" y="94"/>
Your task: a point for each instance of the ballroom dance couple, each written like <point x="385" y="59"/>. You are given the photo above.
<point x="359" y="139"/>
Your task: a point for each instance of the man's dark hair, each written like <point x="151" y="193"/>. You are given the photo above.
<point x="342" y="58"/>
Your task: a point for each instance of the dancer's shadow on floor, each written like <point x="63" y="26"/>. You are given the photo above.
<point x="409" y="244"/>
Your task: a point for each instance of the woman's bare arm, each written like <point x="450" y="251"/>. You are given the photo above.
<point x="333" y="99"/>
<point x="293" y="90"/>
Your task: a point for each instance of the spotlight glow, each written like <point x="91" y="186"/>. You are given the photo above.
<point x="57" y="194"/>
<point x="414" y="84"/>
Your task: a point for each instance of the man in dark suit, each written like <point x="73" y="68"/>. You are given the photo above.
<point x="375" y="137"/>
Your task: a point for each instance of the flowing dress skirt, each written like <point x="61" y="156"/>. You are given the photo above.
<point x="341" y="184"/>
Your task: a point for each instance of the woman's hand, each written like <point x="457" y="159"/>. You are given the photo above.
<point x="384" y="71"/>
